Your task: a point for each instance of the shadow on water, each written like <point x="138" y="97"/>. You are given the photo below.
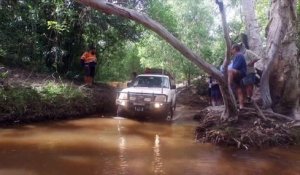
<point x="119" y="145"/>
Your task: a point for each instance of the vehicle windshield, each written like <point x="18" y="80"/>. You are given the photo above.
<point x="151" y="81"/>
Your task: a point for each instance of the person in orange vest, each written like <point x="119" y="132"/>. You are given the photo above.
<point x="88" y="60"/>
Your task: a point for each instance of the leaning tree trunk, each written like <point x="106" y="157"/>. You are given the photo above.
<point x="282" y="71"/>
<point x="110" y="8"/>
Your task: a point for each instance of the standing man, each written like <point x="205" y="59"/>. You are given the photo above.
<point x="236" y="72"/>
<point x="250" y="79"/>
<point x="89" y="61"/>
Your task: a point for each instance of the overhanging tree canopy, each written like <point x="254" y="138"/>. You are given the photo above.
<point x="109" y="8"/>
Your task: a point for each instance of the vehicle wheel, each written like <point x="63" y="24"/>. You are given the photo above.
<point x="120" y="112"/>
<point x="174" y="107"/>
<point x="170" y="113"/>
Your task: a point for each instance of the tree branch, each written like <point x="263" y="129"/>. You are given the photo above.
<point x="110" y="8"/>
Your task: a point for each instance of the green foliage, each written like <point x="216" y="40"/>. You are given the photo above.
<point x="54" y="25"/>
<point x="52" y="90"/>
<point x="162" y="12"/>
<point x="3" y="75"/>
<point x="17" y="100"/>
<point x="195" y="26"/>
<point x="21" y="100"/>
<point x="121" y="63"/>
<point x="53" y="34"/>
<point x="262" y="9"/>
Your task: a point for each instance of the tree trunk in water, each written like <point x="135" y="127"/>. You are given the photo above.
<point x="282" y="71"/>
<point x="110" y="8"/>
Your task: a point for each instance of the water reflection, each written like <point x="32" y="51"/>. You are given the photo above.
<point x="104" y="146"/>
<point x="122" y="151"/>
<point x="157" y="163"/>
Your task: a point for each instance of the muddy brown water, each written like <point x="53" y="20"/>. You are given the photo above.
<point x="119" y="146"/>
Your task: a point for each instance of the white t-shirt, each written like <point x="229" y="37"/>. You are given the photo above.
<point x="250" y="57"/>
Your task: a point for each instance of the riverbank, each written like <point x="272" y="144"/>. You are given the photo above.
<point x="251" y="130"/>
<point x="248" y="131"/>
<point x="29" y="97"/>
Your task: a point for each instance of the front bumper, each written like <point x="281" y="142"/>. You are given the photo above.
<point x="145" y="107"/>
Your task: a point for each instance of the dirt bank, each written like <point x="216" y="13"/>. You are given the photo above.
<point x="27" y="97"/>
<point x="188" y="96"/>
<point x="250" y="130"/>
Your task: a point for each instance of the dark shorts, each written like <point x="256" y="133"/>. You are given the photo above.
<point x="250" y="79"/>
<point x="215" y="92"/>
<point x="209" y="92"/>
<point x="238" y="80"/>
<point x="89" y="69"/>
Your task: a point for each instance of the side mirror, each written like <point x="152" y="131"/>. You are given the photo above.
<point x="129" y="84"/>
<point x="173" y="86"/>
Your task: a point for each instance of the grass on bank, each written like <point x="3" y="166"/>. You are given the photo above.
<point x="45" y="99"/>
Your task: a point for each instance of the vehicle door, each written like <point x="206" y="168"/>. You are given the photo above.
<point x="173" y="91"/>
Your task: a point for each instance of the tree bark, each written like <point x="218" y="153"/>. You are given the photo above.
<point x="230" y="108"/>
<point x="282" y="71"/>
<point x="110" y="8"/>
<point x="252" y="27"/>
<point x="253" y="30"/>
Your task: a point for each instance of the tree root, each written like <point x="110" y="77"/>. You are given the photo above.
<point x="252" y="130"/>
<point x="259" y="112"/>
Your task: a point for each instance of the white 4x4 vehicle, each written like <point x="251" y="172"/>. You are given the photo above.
<point x="151" y="93"/>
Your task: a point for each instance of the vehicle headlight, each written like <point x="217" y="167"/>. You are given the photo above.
<point x="160" y="98"/>
<point x="157" y="105"/>
<point x="123" y="96"/>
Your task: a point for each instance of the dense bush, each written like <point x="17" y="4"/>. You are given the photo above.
<point x="18" y="101"/>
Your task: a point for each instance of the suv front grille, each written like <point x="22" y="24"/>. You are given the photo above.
<point x="141" y="98"/>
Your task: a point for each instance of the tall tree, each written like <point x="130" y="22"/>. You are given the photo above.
<point x="282" y="70"/>
<point x="253" y="29"/>
<point x="281" y="64"/>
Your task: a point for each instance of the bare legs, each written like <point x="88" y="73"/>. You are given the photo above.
<point x="240" y="95"/>
<point x="88" y="80"/>
<point x="233" y="75"/>
<point x="249" y="91"/>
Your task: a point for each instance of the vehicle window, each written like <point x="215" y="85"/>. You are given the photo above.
<point x="148" y="81"/>
<point x="166" y="83"/>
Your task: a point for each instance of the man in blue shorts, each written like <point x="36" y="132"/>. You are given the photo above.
<point x="236" y="72"/>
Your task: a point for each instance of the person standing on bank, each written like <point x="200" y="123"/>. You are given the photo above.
<point x="250" y="79"/>
<point x="88" y="60"/>
<point x="236" y="72"/>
